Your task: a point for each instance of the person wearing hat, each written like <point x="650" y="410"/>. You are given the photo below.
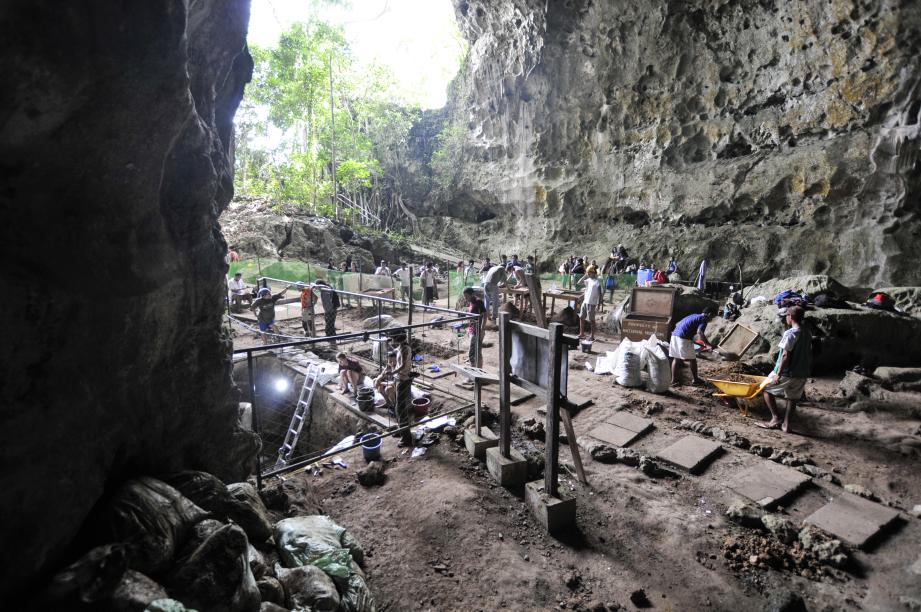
<point x="590" y="300"/>
<point x="402" y="374"/>
<point x="308" y="300"/>
<point x="237" y="292"/>
<point x="264" y="307"/>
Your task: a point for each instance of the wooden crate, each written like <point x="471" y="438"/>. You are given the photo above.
<point x="652" y="311"/>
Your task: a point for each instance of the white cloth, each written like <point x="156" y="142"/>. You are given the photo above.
<point x="382" y="271"/>
<point x="679" y="348"/>
<point x="428" y="277"/>
<point x="495" y="276"/>
<point x="592" y="291"/>
<point x="235" y="286"/>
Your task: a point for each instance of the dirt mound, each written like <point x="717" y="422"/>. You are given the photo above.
<point x="812" y="285"/>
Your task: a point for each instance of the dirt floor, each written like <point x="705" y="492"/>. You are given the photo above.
<point x="440" y="534"/>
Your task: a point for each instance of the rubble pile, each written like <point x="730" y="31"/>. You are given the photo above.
<point x="191" y="543"/>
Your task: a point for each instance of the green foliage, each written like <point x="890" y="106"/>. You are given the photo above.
<point x="289" y="124"/>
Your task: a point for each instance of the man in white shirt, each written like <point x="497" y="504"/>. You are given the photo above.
<point x="590" y="301"/>
<point x="382" y="270"/>
<point x="237" y="292"/>
<point x="402" y="274"/>
<point x="427" y="274"/>
<point x="491" y="280"/>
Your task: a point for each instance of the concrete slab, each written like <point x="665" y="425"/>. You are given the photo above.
<point x="614" y="435"/>
<point x="852" y="519"/>
<point x="508" y="472"/>
<point x="768" y="483"/>
<point x="553" y="513"/>
<point x="477" y="445"/>
<point x="691" y="453"/>
<point x="630" y="422"/>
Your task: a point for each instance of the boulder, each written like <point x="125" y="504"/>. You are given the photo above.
<point x="372" y="474"/>
<point x="597" y="450"/>
<point x="691" y="301"/>
<point x="811" y="285"/>
<point x="567" y="316"/>
<point x="214" y="573"/>
<point x="854" y="386"/>
<point x="889" y="376"/>
<point x="373" y="323"/>
<point x="745" y="515"/>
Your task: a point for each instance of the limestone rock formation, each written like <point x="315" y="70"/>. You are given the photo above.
<point x="784" y="134"/>
<point x="115" y="152"/>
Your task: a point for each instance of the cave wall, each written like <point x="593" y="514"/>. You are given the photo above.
<point x="782" y="134"/>
<point x="115" y="162"/>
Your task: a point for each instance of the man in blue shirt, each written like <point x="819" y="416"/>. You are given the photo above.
<point x="681" y="347"/>
<point x="794" y="363"/>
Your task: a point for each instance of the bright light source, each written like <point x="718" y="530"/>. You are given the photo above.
<point x="281" y="385"/>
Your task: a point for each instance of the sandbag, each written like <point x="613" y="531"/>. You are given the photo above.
<point x="93" y="577"/>
<point x="135" y="592"/>
<point x="627" y="366"/>
<point x="308" y="587"/>
<point x="214" y="573"/>
<point x="660" y="372"/>
<point x="355" y="594"/>
<point x="317" y="540"/>
<point x="249" y="511"/>
<point x="153" y="519"/>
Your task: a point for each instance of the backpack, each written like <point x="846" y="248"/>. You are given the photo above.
<point x="784" y="295"/>
<point x="880" y="301"/>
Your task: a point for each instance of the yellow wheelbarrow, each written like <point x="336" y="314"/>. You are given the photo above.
<point x="738" y="393"/>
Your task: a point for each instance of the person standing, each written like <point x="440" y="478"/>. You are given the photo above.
<point x="491" y="280"/>
<point x="237" y="292"/>
<point x="308" y="300"/>
<point x="681" y="347"/>
<point x="794" y="364"/>
<point x="264" y="307"/>
<point x="529" y="267"/>
<point x="382" y="270"/>
<point x="427" y="274"/>
<point x="469" y="271"/>
<point x="474" y="330"/>
<point x="402" y="274"/>
<point x="590" y="301"/>
<point x="702" y="276"/>
<point x="402" y="374"/>
<point x="330" y="301"/>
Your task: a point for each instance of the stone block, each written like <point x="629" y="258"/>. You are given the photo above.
<point x="691" y="453"/>
<point x="553" y="513"/>
<point x="853" y="519"/>
<point x="477" y="445"/>
<point x="508" y="472"/>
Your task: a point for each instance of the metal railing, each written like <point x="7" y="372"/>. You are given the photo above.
<point x="380" y="332"/>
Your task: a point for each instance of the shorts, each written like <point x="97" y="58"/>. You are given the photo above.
<point x="681" y="348"/>
<point x="264" y="327"/>
<point x="587" y="311"/>
<point x="428" y="294"/>
<point x="787" y="388"/>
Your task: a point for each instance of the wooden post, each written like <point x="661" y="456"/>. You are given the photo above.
<point x="409" y="318"/>
<point x="532" y="281"/>
<point x="552" y="424"/>
<point x="505" y="392"/>
<point x="448" y="289"/>
<point x="476" y="408"/>
<point x="360" y="288"/>
<point x="573" y="447"/>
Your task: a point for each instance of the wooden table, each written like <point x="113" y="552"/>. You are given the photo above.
<point x="569" y="296"/>
<point x="511" y="292"/>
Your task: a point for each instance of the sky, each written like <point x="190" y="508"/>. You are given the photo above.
<point x="417" y="39"/>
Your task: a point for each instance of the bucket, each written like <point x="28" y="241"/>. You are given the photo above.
<point x="372" y="449"/>
<point x="365" y="399"/>
<point x="586" y="346"/>
<point x="421" y="406"/>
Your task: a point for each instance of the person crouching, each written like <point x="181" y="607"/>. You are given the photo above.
<point x="681" y="347"/>
<point x="350" y="371"/>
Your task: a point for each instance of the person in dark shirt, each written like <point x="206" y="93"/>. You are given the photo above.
<point x="350" y="372"/>
<point x="264" y="307"/>
<point x="330" y="301"/>
<point x="793" y="367"/>
<point x="681" y="347"/>
<point x="474" y="330"/>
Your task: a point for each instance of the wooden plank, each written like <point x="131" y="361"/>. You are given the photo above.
<point x="534" y="293"/>
<point x="552" y="423"/>
<point x="484" y="376"/>
<point x="573" y="447"/>
<point x="505" y="372"/>
<point x="526" y="384"/>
